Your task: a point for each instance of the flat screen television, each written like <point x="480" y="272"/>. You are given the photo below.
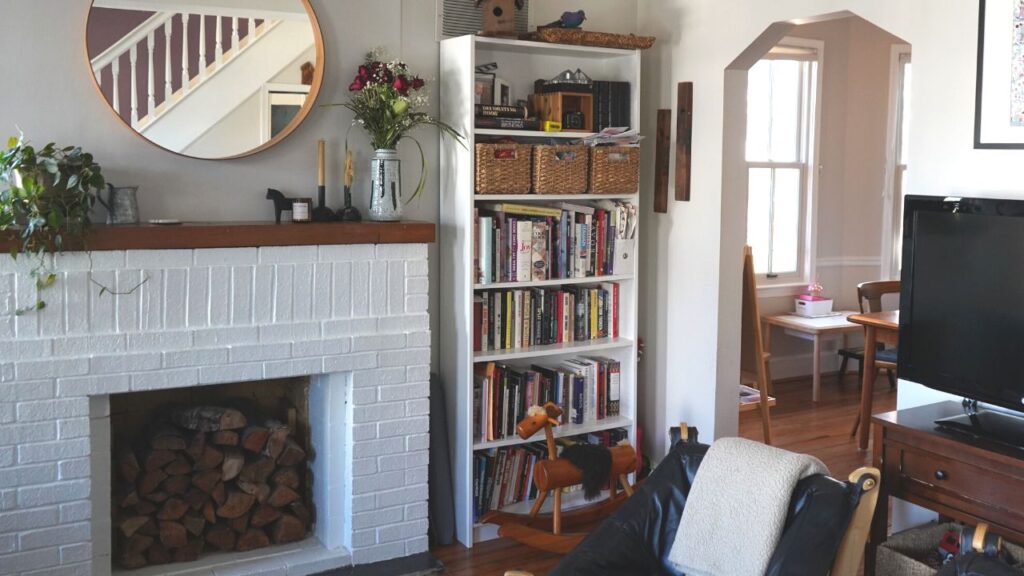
<point x="962" y="308"/>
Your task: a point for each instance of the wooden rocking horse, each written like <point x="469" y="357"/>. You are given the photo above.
<point x="544" y="531"/>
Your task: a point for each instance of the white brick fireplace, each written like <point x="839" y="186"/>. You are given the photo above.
<point x="351" y="317"/>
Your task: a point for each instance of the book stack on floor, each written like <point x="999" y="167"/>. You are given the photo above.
<point x="513" y="319"/>
<point x="504" y="476"/>
<point x="505" y="117"/>
<point x="587" y="390"/>
<point x="527" y="242"/>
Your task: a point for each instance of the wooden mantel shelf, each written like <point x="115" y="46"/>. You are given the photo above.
<point x="191" y="235"/>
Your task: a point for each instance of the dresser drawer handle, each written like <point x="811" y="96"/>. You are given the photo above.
<point x="941" y="475"/>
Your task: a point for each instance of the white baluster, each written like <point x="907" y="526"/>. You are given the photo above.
<point x="202" y="46"/>
<point x="234" y="35"/>
<point x="168" y="86"/>
<point x="115" y="70"/>
<point x="150" y="73"/>
<point x="251" y="35"/>
<point x="184" y="53"/>
<point x="133" y="56"/>
<point x="219" y="55"/>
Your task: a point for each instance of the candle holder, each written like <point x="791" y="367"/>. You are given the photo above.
<point x="322" y="213"/>
<point x="349" y="213"/>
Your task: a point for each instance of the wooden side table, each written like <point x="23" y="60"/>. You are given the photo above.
<point x="812" y="329"/>
<point x="966" y="479"/>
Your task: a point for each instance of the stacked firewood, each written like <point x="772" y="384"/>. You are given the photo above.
<point x="208" y="479"/>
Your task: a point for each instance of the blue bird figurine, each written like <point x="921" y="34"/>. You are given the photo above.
<point x="570" y="20"/>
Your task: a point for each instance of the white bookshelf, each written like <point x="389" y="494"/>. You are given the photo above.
<point x="520" y="64"/>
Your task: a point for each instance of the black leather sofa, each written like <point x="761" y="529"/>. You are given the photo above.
<point x="637" y="538"/>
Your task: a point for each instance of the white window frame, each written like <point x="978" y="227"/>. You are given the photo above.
<point x="895" y="166"/>
<point x="796" y="282"/>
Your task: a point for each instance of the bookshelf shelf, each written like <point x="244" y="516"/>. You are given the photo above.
<point x="531" y="134"/>
<point x="553" y="282"/>
<point x="520" y="64"/>
<point x="584" y="347"/>
<point x="560" y="432"/>
<point x="553" y="197"/>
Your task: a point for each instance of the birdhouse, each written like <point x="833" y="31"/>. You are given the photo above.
<point x="498" y="17"/>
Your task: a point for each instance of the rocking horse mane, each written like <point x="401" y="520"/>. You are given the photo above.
<point x="595" y="462"/>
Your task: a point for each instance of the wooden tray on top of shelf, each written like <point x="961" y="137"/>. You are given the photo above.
<point x="578" y="37"/>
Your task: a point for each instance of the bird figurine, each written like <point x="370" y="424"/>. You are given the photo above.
<point x="570" y="20"/>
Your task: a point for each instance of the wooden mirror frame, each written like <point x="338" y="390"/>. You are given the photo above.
<point x="300" y="117"/>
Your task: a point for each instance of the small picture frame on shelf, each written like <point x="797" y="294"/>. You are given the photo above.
<point x="502" y="93"/>
<point x="483" y="89"/>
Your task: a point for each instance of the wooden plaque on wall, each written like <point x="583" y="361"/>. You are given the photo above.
<point x="662" y="161"/>
<point x="684" y="137"/>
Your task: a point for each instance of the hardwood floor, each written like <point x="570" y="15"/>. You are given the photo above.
<point x="821" y="429"/>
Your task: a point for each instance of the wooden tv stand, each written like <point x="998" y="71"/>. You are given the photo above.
<point x="965" y="479"/>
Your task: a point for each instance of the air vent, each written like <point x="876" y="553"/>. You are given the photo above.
<point x="461" y="17"/>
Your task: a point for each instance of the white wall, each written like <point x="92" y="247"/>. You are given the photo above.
<point x="602" y="15"/>
<point x="697" y="40"/>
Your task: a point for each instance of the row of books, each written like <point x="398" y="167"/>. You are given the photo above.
<point x="587" y="390"/>
<point x="529" y="242"/>
<point x="512" y="319"/>
<point x="504" y="476"/>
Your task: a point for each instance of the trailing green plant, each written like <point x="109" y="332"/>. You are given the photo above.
<point x="47" y="195"/>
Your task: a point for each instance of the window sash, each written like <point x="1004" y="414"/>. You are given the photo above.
<point x="803" y="141"/>
<point x="771" y="275"/>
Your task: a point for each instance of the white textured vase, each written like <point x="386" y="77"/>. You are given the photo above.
<point x="385" y="186"/>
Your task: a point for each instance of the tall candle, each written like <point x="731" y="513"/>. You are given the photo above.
<point x="350" y="170"/>
<point x="320" y="163"/>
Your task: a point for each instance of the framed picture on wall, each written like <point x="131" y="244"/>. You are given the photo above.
<point x="999" y="113"/>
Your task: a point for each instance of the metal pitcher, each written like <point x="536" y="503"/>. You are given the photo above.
<point x="121" y="204"/>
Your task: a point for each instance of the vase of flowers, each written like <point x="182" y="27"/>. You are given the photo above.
<point x="389" y="102"/>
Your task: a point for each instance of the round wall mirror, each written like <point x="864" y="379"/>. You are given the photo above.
<point x="209" y="79"/>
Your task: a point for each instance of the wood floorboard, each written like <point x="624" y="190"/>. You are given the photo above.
<point x="798" y="424"/>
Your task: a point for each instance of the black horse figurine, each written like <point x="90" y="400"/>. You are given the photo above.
<point x="282" y="203"/>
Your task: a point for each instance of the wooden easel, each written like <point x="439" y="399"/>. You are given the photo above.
<point x="551" y="476"/>
<point x="753" y="359"/>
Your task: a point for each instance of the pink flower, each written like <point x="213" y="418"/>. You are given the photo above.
<point x="402" y="84"/>
<point x="364" y="73"/>
<point x="357" y="85"/>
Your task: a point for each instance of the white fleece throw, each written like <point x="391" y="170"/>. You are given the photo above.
<point x="737" y="508"/>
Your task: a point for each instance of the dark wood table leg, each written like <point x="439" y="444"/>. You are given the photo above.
<point x="880" y="521"/>
<point x="867" y="389"/>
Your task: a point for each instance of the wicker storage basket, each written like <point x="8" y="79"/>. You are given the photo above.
<point x="614" y="170"/>
<point x="584" y="38"/>
<point x="503" y="168"/>
<point x="560" y="169"/>
<point x="914" y="552"/>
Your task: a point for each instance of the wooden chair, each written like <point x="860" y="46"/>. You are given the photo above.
<point x="871" y="293"/>
<point x="753" y="359"/>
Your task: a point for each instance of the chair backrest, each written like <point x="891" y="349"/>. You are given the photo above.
<point x="872" y="292"/>
<point x="851" y="550"/>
